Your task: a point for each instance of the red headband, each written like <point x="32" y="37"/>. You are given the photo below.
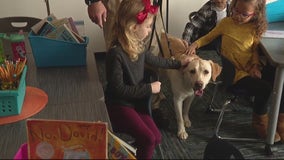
<point x="141" y="16"/>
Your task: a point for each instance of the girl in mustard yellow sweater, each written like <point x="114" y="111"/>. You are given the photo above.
<point x="241" y="33"/>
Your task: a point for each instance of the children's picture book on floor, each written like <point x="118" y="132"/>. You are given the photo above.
<point x="63" y="139"/>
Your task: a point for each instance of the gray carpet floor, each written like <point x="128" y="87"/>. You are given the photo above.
<point x="236" y="123"/>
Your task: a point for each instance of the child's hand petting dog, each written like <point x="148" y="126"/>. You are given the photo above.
<point x="185" y="60"/>
<point x="192" y="48"/>
<point x="255" y="72"/>
<point x="156" y="87"/>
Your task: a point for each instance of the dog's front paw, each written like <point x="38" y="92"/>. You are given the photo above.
<point x="182" y="135"/>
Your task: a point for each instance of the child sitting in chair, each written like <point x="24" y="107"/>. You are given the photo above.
<point x="127" y="93"/>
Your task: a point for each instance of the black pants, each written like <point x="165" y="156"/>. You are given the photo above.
<point x="260" y="88"/>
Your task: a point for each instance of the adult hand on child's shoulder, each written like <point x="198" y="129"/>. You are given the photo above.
<point x="156" y="87"/>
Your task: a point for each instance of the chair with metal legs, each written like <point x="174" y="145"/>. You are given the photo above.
<point x="219" y="147"/>
<point x="234" y="94"/>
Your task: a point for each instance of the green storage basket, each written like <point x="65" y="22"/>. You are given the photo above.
<point x="11" y="101"/>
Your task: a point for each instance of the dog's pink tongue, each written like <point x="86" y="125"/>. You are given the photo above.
<point x="198" y="92"/>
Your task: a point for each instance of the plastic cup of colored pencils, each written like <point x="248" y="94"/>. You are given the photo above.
<point x="10" y="74"/>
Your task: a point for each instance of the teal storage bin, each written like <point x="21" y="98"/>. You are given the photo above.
<point x="51" y="53"/>
<point x="275" y="11"/>
<point x="11" y="101"/>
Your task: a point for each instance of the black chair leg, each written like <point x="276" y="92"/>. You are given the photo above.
<point x="212" y="107"/>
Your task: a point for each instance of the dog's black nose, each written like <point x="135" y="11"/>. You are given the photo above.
<point x="198" y="85"/>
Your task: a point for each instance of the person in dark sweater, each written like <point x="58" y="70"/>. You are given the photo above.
<point x="204" y="20"/>
<point x="102" y="13"/>
<point x="127" y="92"/>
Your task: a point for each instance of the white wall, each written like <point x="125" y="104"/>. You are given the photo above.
<point x="33" y="8"/>
<point x="178" y="15"/>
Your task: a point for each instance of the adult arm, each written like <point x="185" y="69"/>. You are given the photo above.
<point x="97" y="11"/>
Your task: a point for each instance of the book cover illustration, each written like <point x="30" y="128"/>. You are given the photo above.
<point x="36" y="28"/>
<point x="64" y="29"/>
<point x="63" y="33"/>
<point x="118" y="149"/>
<point x="65" y="25"/>
<point x="46" y="28"/>
<point x="62" y="139"/>
<point x="68" y="21"/>
<point x="59" y="22"/>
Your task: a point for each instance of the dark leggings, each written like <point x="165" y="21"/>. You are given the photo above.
<point x="260" y="88"/>
<point x="138" y="125"/>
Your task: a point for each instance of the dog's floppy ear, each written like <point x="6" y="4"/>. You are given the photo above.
<point x="216" y="70"/>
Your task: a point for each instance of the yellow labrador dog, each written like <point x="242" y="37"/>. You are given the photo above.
<point x="187" y="82"/>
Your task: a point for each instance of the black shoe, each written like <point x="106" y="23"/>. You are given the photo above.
<point x="160" y="119"/>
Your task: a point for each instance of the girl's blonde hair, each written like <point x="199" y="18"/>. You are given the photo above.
<point x="123" y="28"/>
<point x="259" y="19"/>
